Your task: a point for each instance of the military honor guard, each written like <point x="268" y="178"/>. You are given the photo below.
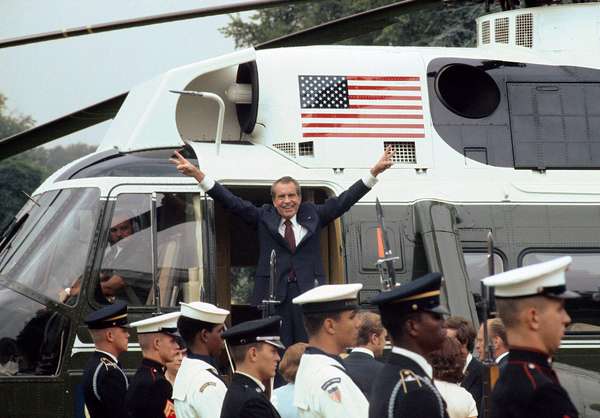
<point x="413" y="317"/>
<point x="530" y="302"/>
<point x="254" y="347"/>
<point x="323" y="386"/>
<point x="149" y="394"/>
<point x="199" y="391"/>
<point x="104" y="381"/>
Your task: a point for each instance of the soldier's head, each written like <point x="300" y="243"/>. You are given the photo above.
<point x="286" y="196"/>
<point x="530" y="302"/>
<point x="108" y="328"/>
<point x="329" y="313"/>
<point x="461" y="329"/>
<point x="412" y="314"/>
<point x="158" y="337"/>
<point x="201" y="326"/>
<point x="371" y="333"/>
<point x="497" y="336"/>
<point x="254" y="346"/>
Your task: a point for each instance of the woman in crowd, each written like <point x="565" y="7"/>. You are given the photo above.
<point x="173" y="366"/>
<point x="448" y="364"/>
<point x="288" y="369"/>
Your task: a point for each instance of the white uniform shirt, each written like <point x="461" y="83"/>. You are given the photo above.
<point x="197" y="392"/>
<point x="459" y="402"/>
<point x="323" y="390"/>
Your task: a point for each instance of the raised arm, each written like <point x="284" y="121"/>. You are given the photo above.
<point x="238" y="206"/>
<point x="336" y="206"/>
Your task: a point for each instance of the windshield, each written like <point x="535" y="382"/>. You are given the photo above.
<point x="48" y="253"/>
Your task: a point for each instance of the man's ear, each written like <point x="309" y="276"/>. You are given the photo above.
<point x="329" y="326"/>
<point x="109" y="336"/>
<point x="413" y="327"/>
<point x="204" y="335"/>
<point x="532" y="318"/>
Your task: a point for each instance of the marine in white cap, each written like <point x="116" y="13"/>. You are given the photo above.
<point x="531" y="303"/>
<point x="149" y="394"/>
<point x="322" y="387"/>
<point x="199" y="391"/>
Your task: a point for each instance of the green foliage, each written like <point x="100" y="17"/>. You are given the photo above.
<point x="452" y="25"/>
<point x="25" y="172"/>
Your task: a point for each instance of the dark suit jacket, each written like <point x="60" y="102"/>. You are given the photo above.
<point x="473" y="380"/>
<point x="104" y="387"/>
<point x="362" y="369"/>
<point x="245" y="399"/>
<point x="149" y="395"/>
<point x="306" y="259"/>
<point x="412" y="399"/>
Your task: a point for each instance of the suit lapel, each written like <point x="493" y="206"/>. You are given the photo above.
<point x="308" y="221"/>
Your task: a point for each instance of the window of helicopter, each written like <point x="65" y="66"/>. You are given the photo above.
<point x="179" y="239"/>
<point x="32" y="336"/>
<point x="49" y="253"/>
<point x="583" y="277"/>
<point x="477" y="269"/>
<point x="126" y="269"/>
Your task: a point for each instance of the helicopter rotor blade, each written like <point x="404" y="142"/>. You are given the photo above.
<point x="65" y="125"/>
<point x="350" y="26"/>
<point x="145" y="21"/>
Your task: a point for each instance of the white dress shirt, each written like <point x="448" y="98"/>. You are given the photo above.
<point x="299" y="230"/>
<point x="469" y="358"/>
<point x="500" y="357"/>
<point x="417" y="358"/>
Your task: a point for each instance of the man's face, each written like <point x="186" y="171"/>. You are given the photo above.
<point x="553" y="320"/>
<point x="479" y="343"/>
<point x="120" y="338"/>
<point x="432" y="331"/>
<point x="214" y="341"/>
<point x="267" y="358"/>
<point x="167" y="348"/>
<point x="119" y="230"/>
<point x="174" y="365"/>
<point x="286" y="200"/>
<point x="347" y="328"/>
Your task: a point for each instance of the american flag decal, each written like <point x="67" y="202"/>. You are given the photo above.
<point x="361" y="106"/>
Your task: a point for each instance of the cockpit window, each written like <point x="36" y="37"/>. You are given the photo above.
<point x="49" y="251"/>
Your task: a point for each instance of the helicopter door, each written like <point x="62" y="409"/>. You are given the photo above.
<point x="153" y="248"/>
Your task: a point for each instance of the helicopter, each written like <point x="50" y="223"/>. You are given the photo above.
<point x="497" y="138"/>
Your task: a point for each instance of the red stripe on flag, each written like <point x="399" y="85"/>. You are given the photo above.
<point x="359" y="116"/>
<point x="359" y="135"/>
<point x="381" y="78"/>
<point x="398" y="88"/>
<point x="364" y="125"/>
<point x="392" y="107"/>
<point x="369" y="97"/>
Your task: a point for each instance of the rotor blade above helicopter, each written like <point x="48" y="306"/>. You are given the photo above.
<point x="145" y="21"/>
<point x="349" y="26"/>
<point x="60" y="127"/>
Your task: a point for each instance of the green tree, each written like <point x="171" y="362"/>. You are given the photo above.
<point x="452" y="25"/>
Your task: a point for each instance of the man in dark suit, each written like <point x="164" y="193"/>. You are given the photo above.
<point x="412" y="315"/>
<point x="291" y="228"/>
<point x="463" y="331"/>
<point x="361" y="363"/>
<point x="497" y="335"/>
<point x="104" y="382"/>
<point x="254" y="347"/>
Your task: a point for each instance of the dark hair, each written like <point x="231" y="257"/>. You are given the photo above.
<point x="465" y="333"/>
<point x="370" y="323"/>
<point x="285" y="180"/>
<point x="314" y="321"/>
<point x="291" y="360"/>
<point x="238" y="352"/>
<point x="448" y="361"/>
<point x="188" y="328"/>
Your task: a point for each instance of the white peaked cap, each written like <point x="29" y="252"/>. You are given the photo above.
<point x="329" y="298"/>
<point x="202" y="311"/>
<point x="544" y="279"/>
<point x="161" y="323"/>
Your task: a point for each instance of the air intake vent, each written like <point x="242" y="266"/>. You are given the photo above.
<point x="501" y="30"/>
<point x="306" y="149"/>
<point x="525" y="30"/>
<point x="287" y="147"/>
<point x="485" y="32"/>
<point x="404" y="152"/>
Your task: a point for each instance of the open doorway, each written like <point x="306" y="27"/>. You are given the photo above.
<point x="237" y="251"/>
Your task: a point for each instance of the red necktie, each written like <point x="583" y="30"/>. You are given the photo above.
<point x="289" y="235"/>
